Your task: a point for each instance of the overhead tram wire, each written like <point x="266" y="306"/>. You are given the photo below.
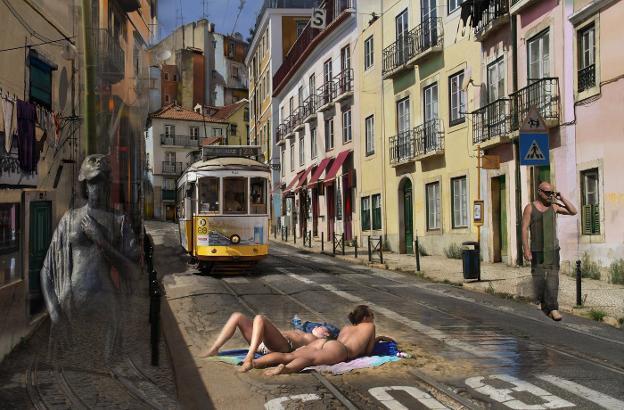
<point x="35" y="45"/>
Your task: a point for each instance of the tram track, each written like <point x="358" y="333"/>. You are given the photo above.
<point x="437" y="390"/>
<point x="310" y="265"/>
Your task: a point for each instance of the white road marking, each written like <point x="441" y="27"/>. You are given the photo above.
<point x="586" y="393"/>
<point x="276" y="404"/>
<point x="417" y="326"/>
<point x="383" y="396"/>
<point x="504" y="395"/>
<point x="236" y="280"/>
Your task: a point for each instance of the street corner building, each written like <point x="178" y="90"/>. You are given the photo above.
<point x="72" y="82"/>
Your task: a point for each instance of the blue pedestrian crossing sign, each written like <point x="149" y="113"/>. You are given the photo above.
<point x="534" y="149"/>
<point x="534" y="144"/>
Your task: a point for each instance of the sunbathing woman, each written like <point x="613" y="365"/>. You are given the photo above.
<point x="263" y="336"/>
<point x="353" y="341"/>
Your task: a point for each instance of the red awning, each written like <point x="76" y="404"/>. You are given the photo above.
<point x="294" y="180"/>
<point x="340" y="159"/>
<point x="319" y="170"/>
<point x="302" y="180"/>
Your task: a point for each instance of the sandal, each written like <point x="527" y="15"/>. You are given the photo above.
<point x="555" y="315"/>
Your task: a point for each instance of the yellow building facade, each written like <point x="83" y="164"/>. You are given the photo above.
<point x="430" y="71"/>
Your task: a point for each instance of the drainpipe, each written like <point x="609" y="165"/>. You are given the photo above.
<point x="516" y="146"/>
<point x="383" y="132"/>
<point x="88" y="71"/>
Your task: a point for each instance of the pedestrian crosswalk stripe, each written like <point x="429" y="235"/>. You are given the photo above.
<point x="534" y="153"/>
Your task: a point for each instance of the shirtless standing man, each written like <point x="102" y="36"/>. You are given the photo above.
<point x="540" y="220"/>
<point x="353" y="341"/>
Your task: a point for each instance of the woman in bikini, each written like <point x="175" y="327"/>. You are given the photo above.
<point x="353" y="341"/>
<point x="263" y="336"/>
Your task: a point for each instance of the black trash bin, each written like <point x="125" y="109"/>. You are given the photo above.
<point x="471" y="260"/>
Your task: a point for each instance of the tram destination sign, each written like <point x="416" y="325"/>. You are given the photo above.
<point x="244" y="151"/>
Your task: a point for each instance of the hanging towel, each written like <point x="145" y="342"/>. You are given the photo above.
<point x="28" y="155"/>
<point x="8" y="112"/>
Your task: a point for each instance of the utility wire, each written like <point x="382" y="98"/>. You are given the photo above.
<point x="34" y="45"/>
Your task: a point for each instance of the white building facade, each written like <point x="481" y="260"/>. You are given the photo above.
<point x="173" y="134"/>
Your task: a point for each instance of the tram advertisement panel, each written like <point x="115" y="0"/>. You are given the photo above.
<point x="218" y="231"/>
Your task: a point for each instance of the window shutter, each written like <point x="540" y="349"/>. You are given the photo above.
<point x="595" y="219"/>
<point x="586" y="220"/>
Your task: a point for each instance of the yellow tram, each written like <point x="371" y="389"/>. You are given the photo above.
<point x="223" y="207"/>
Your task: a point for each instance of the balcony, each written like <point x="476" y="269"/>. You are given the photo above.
<point x="171" y="168"/>
<point x="280" y="134"/>
<point x="493" y="17"/>
<point x="517" y="5"/>
<point x="109" y="57"/>
<point x="298" y="123"/>
<point x="168" y="195"/>
<point x="542" y="94"/>
<point x="344" y="85"/>
<point x="402" y="148"/>
<point x="309" y="108"/>
<point x="129" y="6"/>
<point x="426" y="39"/>
<point x="491" y="124"/>
<point x="586" y="78"/>
<point x="186" y="141"/>
<point x="429" y="139"/>
<point x="326" y="94"/>
<point x="290" y="126"/>
<point x="336" y="12"/>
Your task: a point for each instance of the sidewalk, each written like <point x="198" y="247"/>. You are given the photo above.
<point x="496" y="278"/>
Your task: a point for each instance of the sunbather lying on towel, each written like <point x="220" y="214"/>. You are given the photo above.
<point x="353" y="341"/>
<point x="263" y="336"/>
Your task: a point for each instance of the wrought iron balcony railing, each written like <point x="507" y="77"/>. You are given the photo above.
<point x="109" y="56"/>
<point x="406" y="49"/>
<point x="402" y="147"/>
<point x="497" y="11"/>
<point x="326" y="93"/>
<point x="280" y="133"/>
<point x="179" y="140"/>
<point x="297" y="118"/>
<point x="491" y="121"/>
<point x="429" y="138"/>
<point x="586" y="78"/>
<point x="309" y="106"/>
<point x="344" y="82"/>
<point x="171" y="168"/>
<point x="543" y="94"/>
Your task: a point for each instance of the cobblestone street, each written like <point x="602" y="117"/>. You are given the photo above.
<point x="30" y="379"/>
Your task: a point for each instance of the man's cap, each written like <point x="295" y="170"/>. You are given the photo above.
<point x="92" y="166"/>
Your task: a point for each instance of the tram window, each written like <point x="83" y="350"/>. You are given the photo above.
<point x="181" y="202"/>
<point x="235" y="195"/>
<point x="258" y="196"/>
<point x="209" y="194"/>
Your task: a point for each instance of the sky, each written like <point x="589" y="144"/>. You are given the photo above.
<point x="221" y="12"/>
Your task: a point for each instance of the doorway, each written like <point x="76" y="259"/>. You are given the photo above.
<point x="315" y="211"/>
<point x="499" y="219"/>
<point x="40" y="235"/>
<point x="331" y="209"/>
<point x="408" y="215"/>
<point x="170" y="213"/>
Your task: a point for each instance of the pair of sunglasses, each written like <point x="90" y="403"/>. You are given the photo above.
<point x="548" y="193"/>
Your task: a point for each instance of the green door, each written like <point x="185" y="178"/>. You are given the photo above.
<point x="39" y="241"/>
<point x="503" y="216"/>
<point x="408" y="216"/>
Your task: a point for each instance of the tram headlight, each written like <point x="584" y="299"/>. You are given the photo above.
<point x="235" y="239"/>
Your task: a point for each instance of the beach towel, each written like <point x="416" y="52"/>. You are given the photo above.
<point x="234" y="357"/>
<point x="355" y="364"/>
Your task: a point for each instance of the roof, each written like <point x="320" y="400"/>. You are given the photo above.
<point x="176" y="112"/>
<point x="226" y="111"/>
<point x="224" y="162"/>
